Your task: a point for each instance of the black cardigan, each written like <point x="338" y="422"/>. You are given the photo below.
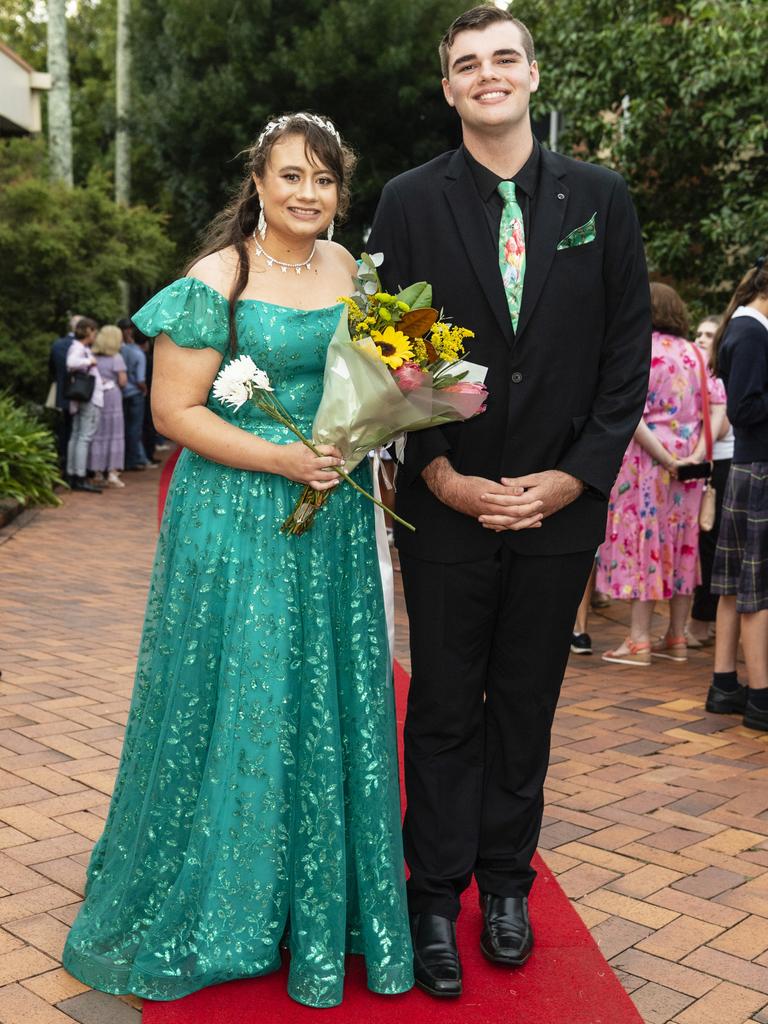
<point x="743" y="365"/>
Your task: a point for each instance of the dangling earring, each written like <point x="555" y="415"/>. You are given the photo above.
<point x="329" y="236"/>
<point x="262" y="227"/>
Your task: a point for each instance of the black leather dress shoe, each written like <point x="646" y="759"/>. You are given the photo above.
<point x="436" y="965"/>
<point x="754" y="717"/>
<point x="507" y="935"/>
<point x="726" y="702"/>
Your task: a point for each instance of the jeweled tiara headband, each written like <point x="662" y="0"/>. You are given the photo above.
<point x="281" y="122"/>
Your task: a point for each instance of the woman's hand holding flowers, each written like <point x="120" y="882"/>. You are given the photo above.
<point x="299" y="463"/>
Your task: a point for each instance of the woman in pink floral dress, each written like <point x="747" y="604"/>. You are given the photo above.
<point x="651" y="547"/>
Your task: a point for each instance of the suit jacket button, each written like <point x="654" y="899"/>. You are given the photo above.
<point x="517" y="377"/>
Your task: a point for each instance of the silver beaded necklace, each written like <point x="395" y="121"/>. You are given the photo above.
<point x="285" y="267"/>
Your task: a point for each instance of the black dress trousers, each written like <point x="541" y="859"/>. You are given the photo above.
<point x="489" y="645"/>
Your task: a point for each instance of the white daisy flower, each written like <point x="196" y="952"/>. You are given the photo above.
<point x="261" y="380"/>
<point x="235" y="384"/>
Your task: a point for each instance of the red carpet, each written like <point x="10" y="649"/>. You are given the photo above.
<point x="165" y="482"/>
<point x="566" y="981"/>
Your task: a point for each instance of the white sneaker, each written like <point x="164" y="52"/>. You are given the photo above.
<point x="113" y="480"/>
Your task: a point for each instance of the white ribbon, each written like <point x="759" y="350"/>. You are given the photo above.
<point x="385" y="558"/>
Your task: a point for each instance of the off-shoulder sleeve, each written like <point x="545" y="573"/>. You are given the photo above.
<point x="190" y="312"/>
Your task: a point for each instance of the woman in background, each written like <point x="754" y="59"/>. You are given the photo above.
<point x="108" y="445"/>
<point x="650" y="551"/>
<point x="740" y="572"/>
<point x="85" y="415"/>
<point x="700" y="631"/>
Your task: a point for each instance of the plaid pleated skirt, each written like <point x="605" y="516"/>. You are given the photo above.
<point x="741" y="558"/>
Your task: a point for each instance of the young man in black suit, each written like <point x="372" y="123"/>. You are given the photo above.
<point x="509" y="506"/>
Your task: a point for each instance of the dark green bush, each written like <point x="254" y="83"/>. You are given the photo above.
<point x="29" y="468"/>
<point x="64" y="250"/>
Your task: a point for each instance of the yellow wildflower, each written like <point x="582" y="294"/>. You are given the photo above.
<point x="394" y="346"/>
<point x="419" y="351"/>
<point x="356" y="314"/>
<point x="446" y="342"/>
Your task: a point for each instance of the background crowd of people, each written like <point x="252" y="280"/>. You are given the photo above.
<point x="103" y="427"/>
<point x="705" y="425"/>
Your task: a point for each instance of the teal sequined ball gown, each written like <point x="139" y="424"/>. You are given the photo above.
<point x="257" y="790"/>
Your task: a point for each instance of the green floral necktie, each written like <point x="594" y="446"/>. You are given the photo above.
<point x="512" y="249"/>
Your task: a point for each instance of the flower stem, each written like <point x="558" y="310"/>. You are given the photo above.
<point x="277" y="411"/>
<point x="362" y="490"/>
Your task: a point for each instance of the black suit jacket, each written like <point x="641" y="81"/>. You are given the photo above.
<point x="568" y="388"/>
<point x="57" y="368"/>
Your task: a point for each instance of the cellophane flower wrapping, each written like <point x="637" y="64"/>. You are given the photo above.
<point x="393" y="366"/>
<point x="363" y="408"/>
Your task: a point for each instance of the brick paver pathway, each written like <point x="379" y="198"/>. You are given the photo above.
<point x="657" y="813"/>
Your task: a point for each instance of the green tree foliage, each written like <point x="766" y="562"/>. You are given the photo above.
<point x="219" y="69"/>
<point x="693" y="140"/>
<point x="91" y="35"/>
<point x="63" y="250"/>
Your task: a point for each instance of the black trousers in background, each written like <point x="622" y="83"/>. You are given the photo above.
<point x="489" y="645"/>
<point x="63" y="431"/>
<point x="704" y="607"/>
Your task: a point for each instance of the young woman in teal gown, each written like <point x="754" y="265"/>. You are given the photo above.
<point x="257" y="800"/>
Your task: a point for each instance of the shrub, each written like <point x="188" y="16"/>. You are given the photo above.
<point x="64" y="250"/>
<point x="29" y="468"/>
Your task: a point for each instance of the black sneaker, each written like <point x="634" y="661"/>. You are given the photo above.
<point x="581" y="643"/>
<point x="755" y="717"/>
<point x="726" y="702"/>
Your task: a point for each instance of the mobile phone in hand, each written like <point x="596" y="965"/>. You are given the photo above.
<point x="694" y="471"/>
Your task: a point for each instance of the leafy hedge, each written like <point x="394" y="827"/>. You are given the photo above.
<point x="63" y="251"/>
<point x="29" y="468"/>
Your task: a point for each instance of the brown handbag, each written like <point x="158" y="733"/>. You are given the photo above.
<point x="708" y="507"/>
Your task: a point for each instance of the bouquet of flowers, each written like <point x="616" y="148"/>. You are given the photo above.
<point x="393" y="366"/>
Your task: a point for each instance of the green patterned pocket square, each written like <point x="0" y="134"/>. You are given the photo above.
<point x="580" y="236"/>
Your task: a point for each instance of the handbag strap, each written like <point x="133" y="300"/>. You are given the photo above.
<point x="704" y="402"/>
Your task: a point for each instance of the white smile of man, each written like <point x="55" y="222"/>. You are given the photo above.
<point x="492" y="96"/>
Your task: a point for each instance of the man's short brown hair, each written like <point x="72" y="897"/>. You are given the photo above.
<point x="481" y="17"/>
<point x="669" y="314"/>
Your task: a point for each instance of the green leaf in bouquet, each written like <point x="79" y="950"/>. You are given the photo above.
<point x="444" y="380"/>
<point x="418" y="296"/>
<point x="372" y="262"/>
<point x="367" y="282"/>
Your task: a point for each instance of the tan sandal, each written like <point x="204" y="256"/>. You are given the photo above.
<point x="637" y="654"/>
<point x="673" y="648"/>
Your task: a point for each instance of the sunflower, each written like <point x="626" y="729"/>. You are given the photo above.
<point x="394" y="346"/>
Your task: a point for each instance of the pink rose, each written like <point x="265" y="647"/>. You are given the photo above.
<point x="409" y="376"/>
<point x="473" y="396"/>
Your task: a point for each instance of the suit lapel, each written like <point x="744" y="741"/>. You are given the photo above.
<point x="550" y="205"/>
<point x="461" y="193"/>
